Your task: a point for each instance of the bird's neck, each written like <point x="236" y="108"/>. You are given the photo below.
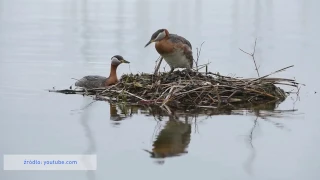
<point x="167" y="33"/>
<point x="113" y="72"/>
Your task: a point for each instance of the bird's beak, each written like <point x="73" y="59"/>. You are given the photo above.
<point x="124" y="61"/>
<point x="151" y="41"/>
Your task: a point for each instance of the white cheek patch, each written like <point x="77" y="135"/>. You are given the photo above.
<point x="160" y="36"/>
<point x="114" y="60"/>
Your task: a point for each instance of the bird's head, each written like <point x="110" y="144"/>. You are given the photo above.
<point x="117" y="59"/>
<point x="157" y="36"/>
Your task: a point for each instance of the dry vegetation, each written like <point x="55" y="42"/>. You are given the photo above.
<point x="194" y="89"/>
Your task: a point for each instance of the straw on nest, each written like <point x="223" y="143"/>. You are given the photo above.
<point x="195" y="89"/>
<point x="182" y="89"/>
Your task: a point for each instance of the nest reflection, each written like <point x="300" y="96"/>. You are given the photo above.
<point x="121" y="111"/>
<point x="174" y="138"/>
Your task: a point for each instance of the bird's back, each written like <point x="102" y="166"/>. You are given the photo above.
<point x="90" y="82"/>
<point x="179" y="39"/>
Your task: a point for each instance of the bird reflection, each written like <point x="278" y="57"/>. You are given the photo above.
<point x="124" y="112"/>
<point x="172" y="140"/>
<point x="114" y="116"/>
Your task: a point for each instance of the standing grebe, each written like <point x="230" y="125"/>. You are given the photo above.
<point x="176" y="50"/>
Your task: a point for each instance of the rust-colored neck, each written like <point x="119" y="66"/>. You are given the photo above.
<point x="113" y="72"/>
<point x="167" y="34"/>
<point x="113" y="79"/>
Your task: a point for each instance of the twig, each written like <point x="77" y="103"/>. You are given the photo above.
<point x="198" y="55"/>
<point x="192" y="90"/>
<point x="128" y="94"/>
<point x="166" y="91"/>
<point x="218" y="95"/>
<point x="252" y="55"/>
<point x="201" y="66"/>
<point x="166" y="109"/>
<point x="107" y="89"/>
<point x="262" y="93"/>
<point x="271" y="74"/>
<point x="158" y="66"/>
<point x="168" y="96"/>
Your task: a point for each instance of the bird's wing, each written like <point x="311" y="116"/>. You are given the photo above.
<point x="187" y="48"/>
<point x="188" y="53"/>
<point x="91" y="81"/>
<point x="177" y="38"/>
<point x="93" y="78"/>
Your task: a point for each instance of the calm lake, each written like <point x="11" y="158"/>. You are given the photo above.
<point x="44" y="44"/>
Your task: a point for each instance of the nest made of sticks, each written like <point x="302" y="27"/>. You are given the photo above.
<point x="195" y="89"/>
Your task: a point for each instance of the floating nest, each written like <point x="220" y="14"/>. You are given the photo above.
<point x="183" y="89"/>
